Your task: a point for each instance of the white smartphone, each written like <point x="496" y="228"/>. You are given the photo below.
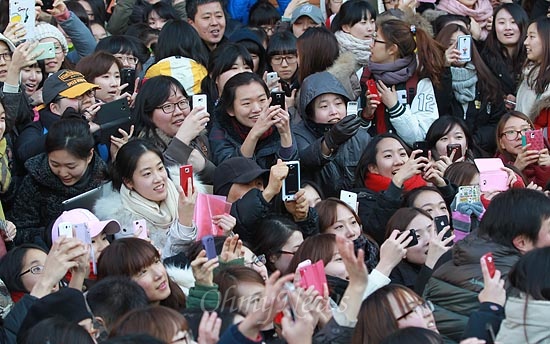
<point x="464" y="45"/>
<point x="65" y="229"/>
<point x="199" y="100"/>
<point x="140" y="229"/>
<point x="350" y="198"/>
<point x="352" y="108"/>
<point x="271" y="77"/>
<point x="303" y="264"/>
<point x="44" y="51"/>
<point x="291" y="184"/>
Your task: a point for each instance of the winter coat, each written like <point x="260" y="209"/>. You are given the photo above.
<point x="14" y="319"/>
<point x="32" y="139"/>
<point x="489" y="315"/>
<point x="526" y="321"/>
<point x="17" y="106"/>
<point x="536" y="106"/>
<point x="411" y="275"/>
<point x="39" y="200"/>
<point x="83" y="41"/>
<point x="455" y="284"/>
<point x="535" y="173"/>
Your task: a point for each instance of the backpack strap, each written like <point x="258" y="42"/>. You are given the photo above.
<point x="411" y="85"/>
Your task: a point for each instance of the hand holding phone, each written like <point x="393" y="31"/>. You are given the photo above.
<point x="440" y="223"/>
<point x="352" y="108"/>
<point x="422" y="145"/>
<point x="291" y="184"/>
<point x="45" y="50"/>
<point x="209" y="247"/>
<point x="464" y="46"/>
<point x="140" y="229"/>
<point x="371" y="87"/>
<point x="489" y="261"/>
<point x="186" y="172"/>
<point x="199" y="100"/>
<point x="414" y="241"/>
<point x="457" y="148"/>
<point x="65" y="229"/>
<point x="535" y="138"/>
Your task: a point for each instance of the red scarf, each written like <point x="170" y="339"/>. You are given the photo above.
<point x="17" y="295"/>
<point x="377" y="183"/>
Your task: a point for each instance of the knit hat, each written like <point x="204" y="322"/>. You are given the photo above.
<point x="66" y="83"/>
<point x="310" y="11"/>
<point x="238" y="170"/>
<point x="45" y="30"/>
<point x="9" y="43"/>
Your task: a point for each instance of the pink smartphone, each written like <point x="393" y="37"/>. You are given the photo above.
<point x="186" y="172"/>
<point x="535" y="138"/>
<point x="140" y="227"/>
<point x="314" y="275"/>
<point x="491" y="175"/>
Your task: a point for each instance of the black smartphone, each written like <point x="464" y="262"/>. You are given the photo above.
<point x="414" y="241"/>
<point x="128" y="76"/>
<point x="47" y="5"/>
<point x="440" y="223"/>
<point x="278" y="98"/>
<point x="457" y="147"/>
<point x="423" y="145"/>
<point x="112" y="116"/>
<point x="291" y="184"/>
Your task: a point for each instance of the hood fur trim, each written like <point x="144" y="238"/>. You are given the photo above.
<point x="538" y="107"/>
<point x="344" y="69"/>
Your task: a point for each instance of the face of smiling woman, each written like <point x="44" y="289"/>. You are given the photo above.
<point x="250" y="102"/>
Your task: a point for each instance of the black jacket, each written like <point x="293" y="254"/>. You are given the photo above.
<point x="32" y="139"/>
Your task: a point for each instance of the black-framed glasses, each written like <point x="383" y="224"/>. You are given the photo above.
<point x="271" y="28"/>
<point x="512" y="135"/>
<point x="259" y="261"/>
<point x="6" y="56"/>
<point x="131" y="60"/>
<point x="169" y="108"/>
<point x="35" y="270"/>
<point x="286" y="252"/>
<point x="89" y="94"/>
<point x="423" y="308"/>
<point x="278" y="59"/>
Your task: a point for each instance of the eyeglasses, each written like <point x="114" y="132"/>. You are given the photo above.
<point x="6" y="56"/>
<point x="259" y="261"/>
<point x="286" y="252"/>
<point x="58" y="49"/>
<point x="424" y="308"/>
<point x="184" y="337"/>
<point x="270" y="28"/>
<point x="277" y="60"/>
<point x="88" y="94"/>
<point x="132" y="60"/>
<point x="35" y="270"/>
<point x="511" y="135"/>
<point x="170" y="108"/>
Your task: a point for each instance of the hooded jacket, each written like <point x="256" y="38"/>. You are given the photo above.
<point x="335" y="172"/>
<point x="526" y="321"/>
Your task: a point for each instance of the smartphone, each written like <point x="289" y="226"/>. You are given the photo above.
<point x="82" y="233"/>
<point x="535" y="138"/>
<point x="440" y="223"/>
<point x="313" y="275"/>
<point x="350" y="198"/>
<point x="44" y="51"/>
<point x="303" y="264"/>
<point x="128" y="76"/>
<point x="112" y="116"/>
<point x="464" y="45"/>
<point x="488" y="258"/>
<point x="423" y="145"/>
<point x="468" y="194"/>
<point x="271" y="78"/>
<point x="371" y="87"/>
<point x="457" y="147"/>
<point x="414" y="241"/>
<point x="186" y="172"/>
<point x="352" y="108"/>
<point x="291" y="184"/>
<point x="199" y="100"/>
<point x="66" y="229"/>
<point x="278" y="98"/>
<point x="208" y="244"/>
<point x="140" y="228"/>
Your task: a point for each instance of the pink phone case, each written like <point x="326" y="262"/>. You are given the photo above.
<point x="491" y="175"/>
<point x="314" y="275"/>
<point x="143" y="230"/>
<point x="535" y="138"/>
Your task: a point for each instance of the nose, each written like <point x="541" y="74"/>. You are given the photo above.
<point x="256" y="107"/>
<point x="333" y="109"/>
<point x="158" y="271"/>
<point x="33" y="76"/>
<point x="349" y="232"/>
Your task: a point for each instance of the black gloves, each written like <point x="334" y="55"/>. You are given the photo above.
<point x="342" y="131"/>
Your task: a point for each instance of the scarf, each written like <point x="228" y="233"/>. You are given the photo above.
<point x="464" y="83"/>
<point x="243" y="131"/>
<point x="480" y="13"/>
<point x="377" y="183"/>
<point x="395" y="72"/>
<point x="160" y="215"/>
<point x="359" y="47"/>
<point x="336" y="287"/>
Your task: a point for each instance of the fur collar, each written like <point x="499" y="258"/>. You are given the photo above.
<point x="344" y="69"/>
<point x="182" y="276"/>
<point x="538" y="107"/>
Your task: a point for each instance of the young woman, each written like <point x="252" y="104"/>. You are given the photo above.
<point x="533" y="95"/>
<point x="354" y="27"/>
<point x="416" y="268"/>
<point x="164" y="117"/>
<point x="158" y="14"/>
<point x="283" y="59"/>
<point x="504" y="52"/>
<point x="68" y="168"/>
<point x="533" y="164"/>
<point x="143" y="190"/>
<point x="130" y="51"/>
<point x="329" y="141"/>
<point x="462" y="173"/>
<point x="32" y="79"/>
<point x="317" y="50"/>
<point x="189" y="45"/>
<point x="430" y="199"/>
<point x="247" y="125"/>
<point x="447" y="130"/>
<point x="139" y="260"/>
<point x="477" y="97"/>
<point x="479" y="11"/>
<point x="396" y="67"/>
<point x="241" y="288"/>
<point x="103" y="69"/>
<point x="251" y="41"/>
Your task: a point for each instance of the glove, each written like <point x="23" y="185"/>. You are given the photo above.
<point x="342" y="131"/>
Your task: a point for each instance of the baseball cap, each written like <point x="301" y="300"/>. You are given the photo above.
<point x="80" y="215"/>
<point x="308" y="10"/>
<point x="65" y="83"/>
<point x="9" y="43"/>
<point x="238" y="170"/>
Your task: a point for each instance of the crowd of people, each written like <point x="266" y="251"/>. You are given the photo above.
<point x="252" y="171"/>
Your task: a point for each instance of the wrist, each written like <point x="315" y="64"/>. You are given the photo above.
<point x="384" y="268"/>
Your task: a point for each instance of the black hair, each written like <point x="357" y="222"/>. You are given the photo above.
<point x="513" y="213"/>
<point x="144" y="33"/>
<point x="191" y="7"/>
<point x="12" y="264"/>
<point x="263" y="13"/>
<point x="114" y="296"/>
<point x="127" y="158"/>
<point x="57" y="330"/>
<point x="281" y="43"/>
<point x="163" y="9"/>
<point x="410" y="197"/>
<point x="230" y="90"/>
<point x="441" y="127"/>
<point x="99" y="11"/>
<point x="124" y="44"/>
<point x="413" y="335"/>
<point x="352" y="12"/>
<point x="255" y="49"/>
<point x="72" y="135"/>
<point x="526" y="275"/>
<point x="442" y="21"/>
<point x="140" y="338"/>
<point x="188" y="44"/>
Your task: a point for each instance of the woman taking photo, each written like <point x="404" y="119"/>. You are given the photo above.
<point x="450" y="130"/>
<point x="103" y="69"/>
<point x="248" y="126"/>
<point x="68" y="168"/>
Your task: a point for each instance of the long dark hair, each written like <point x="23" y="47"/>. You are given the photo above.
<point x="318" y="49"/>
<point x="72" y="135"/>
<point x="188" y="44"/>
<point x="441" y="127"/>
<point x="12" y="264"/>
<point x="352" y="12"/>
<point x="540" y="81"/>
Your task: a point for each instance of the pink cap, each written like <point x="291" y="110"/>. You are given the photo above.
<point x="79" y="215"/>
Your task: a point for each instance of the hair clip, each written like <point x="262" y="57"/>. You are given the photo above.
<point x="413" y="29"/>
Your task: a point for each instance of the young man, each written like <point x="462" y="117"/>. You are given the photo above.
<point x="208" y="18"/>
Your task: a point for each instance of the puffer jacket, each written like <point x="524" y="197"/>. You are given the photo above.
<point x="455" y="284"/>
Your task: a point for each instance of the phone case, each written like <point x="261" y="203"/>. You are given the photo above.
<point x="140" y="227"/>
<point x="66" y="229"/>
<point x="468" y="194"/>
<point x="186" y="172"/>
<point x="208" y="244"/>
<point x="350" y="198"/>
<point x="423" y="145"/>
<point x="458" y="153"/>
<point x="491" y="176"/>
<point x="371" y="86"/>
<point x="464" y="45"/>
<point x="278" y="98"/>
<point x="112" y="116"/>
<point x="535" y="138"/>
<point x="23" y="12"/>
<point x="313" y="275"/>
<point x="46" y="50"/>
<point x="82" y="233"/>
<point x="414" y="241"/>
<point x="128" y="76"/>
<point x="291" y="184"/>
<point x="352" y="108"/>
<point x="489" y="260"/>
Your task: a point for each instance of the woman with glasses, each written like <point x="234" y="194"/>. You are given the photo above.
<point x="282" y="56"/>
<point x="164" y="117"/>
<point x="532" y="163"/>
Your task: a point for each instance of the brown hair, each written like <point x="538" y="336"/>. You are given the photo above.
<point x="402" y="217"/>
<point x="314" y="248"/>
<point x="431" y="54"/>
<point x="376" y="319"/>
<point x="317" y="50"/>
<point x="127" y="257"/>
<point x="158" y="321"/>
<point x="327" y="212"/>
<point x="461" y="173"/>
<point x="97" y="64"/>
<point x="229" y="278"/>
<point x="500" y="127"/>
